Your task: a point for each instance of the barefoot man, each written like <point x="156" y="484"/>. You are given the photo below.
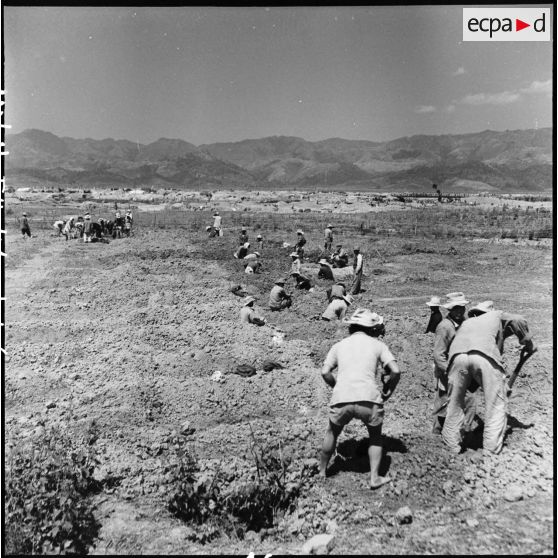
<point x="356" y="393"/>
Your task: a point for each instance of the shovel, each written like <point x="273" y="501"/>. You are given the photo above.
<point x="523" y="356"/>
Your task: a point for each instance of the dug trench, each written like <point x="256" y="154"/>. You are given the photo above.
<point x="124" y="339"/>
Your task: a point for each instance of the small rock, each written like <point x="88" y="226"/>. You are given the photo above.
<point x="318" y="544"/>
<point x="472" y="522"/>
<point x="513" y="494"/>
<point x="252" y="536"/>
<point x="404" y="515"/>
<point x="187" y="428"/>
<point x="50" y="404"/>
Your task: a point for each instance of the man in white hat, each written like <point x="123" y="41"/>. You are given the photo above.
<point x="217" y="222"/>
<point x="328" y="234"/>
<point x="475" y="356"/>
<point x="25" y="229"/>
<point x="340" y="257"/>
<point x="325" y="271"/>
<point x="248" y="313"/>
<point x="356" y="393"/>
<point x="87" y="228"/>
<point x="259" y="241"/>
<point x="445" y="332"/>
<point x="435" y="314"/>
<point x="300" y="242"/>
<point x="337" y="308"/>
<point x="358" y="267"/>
<point x="278" y="297"/>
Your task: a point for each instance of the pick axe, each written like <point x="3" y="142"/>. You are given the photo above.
<point x="523" y="356"/>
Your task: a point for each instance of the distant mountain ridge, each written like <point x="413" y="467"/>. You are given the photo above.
<point x="518" y="160"/>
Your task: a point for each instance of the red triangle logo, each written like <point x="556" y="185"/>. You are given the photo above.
<point x="519" y="25"/>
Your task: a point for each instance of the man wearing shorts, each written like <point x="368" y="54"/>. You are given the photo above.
<point x="356" y="393"/>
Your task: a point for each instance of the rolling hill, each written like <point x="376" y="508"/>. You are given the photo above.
<point x="510" y="161"/>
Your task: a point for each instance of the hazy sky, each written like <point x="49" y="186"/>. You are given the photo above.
<point x="226" y="74"/>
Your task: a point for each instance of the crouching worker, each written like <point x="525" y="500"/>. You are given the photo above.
<point x="302" y="282"/>
<point x="248" y="314"/>
<point x="356" y="393"/>
<point x="475" y="355"/>
<point x="337" y="308"/>
<point x="278" y="297"/>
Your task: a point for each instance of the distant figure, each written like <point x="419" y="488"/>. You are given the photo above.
<point x="259" y="241"/>
<point x="118" y="225"/>
<point x="242" y="251"/>
<point x="358" y="266"/>
<point x="278" y="297"/>
<point x="302" y="282"/>
<point x="325" y="271"/>
<point x="243" y="237"/>
<point x="68" y="228"/>
<point x="300" y="242"/>
<point x="238" y="290"/>
<point x="252" y="263"/>
<point x="328" y="234"/>
<point x="217" y="223"/>
<point x="248" y="314"/>
<point x="336" y="291"/>
<point x="59" y="227"/>
<point x="295" y="263"/>
<point x="25" y="229"/>
<point x="337" y="308"/>
<point x="87" y="229"/>
<point x="128" y="223"/>
<point x="435" y="314"/>
<point x="340" y="257"/>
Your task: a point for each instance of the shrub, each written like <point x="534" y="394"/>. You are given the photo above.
<point x="46" y="497"/>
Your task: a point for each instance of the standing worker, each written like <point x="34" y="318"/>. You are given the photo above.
<point x="217" y="223"/>
<point x="476" y="354"/>
<point x="328" y="233"/>
<point x="358" y="269"/>
<point x="259" y="241"/>
<point x="356" y="393"/>
<point x="25" y="229"/>
<point x="300" y="242"/>
<point x="87" y="229"/>
<point x="445" y="332"/>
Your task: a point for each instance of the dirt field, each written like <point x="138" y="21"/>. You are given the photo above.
<point x="127" y="335"/>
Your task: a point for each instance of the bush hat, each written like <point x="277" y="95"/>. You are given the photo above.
<point x="364" y="318"/>
<point x="330" y="226"/>
<point x="482" y="308"/>
<point x="323" y="262"/>
<point x="248" y="300"/>
<point x="299" y="231"/>
<point x="434" y="301"/>
<point x="455" y="299"/>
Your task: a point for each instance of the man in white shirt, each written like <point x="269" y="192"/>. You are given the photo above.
<point x="356" y="393"/>
<point x="337" y="308"/>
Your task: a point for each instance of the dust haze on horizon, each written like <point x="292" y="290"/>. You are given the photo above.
<point x="215" y="74"/>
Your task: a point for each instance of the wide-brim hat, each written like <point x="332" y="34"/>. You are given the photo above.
<point x="455" y="299"/>
<point x="482" y="307"/>
<point x="323" y="262"/>
<point x="434" y="301"/>
<point x="24" y="214"/>
<point x="348" y="299"/>
<point x="330" y="226"/>
<point x="207" y="228"/>
<point x="356" y="249"/>
<point x="243" y="229"/>
<point x="299" y="231"/>
<point x="87" y="217"/>
<point x="259" y="236"/>
<point x="248" y="300"/>
<point x="257" y="254"/>
<point x="364" y="318"/>
<point x="246" y="245"/>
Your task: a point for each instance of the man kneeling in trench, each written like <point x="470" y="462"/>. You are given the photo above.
<point x="356" y="393"/>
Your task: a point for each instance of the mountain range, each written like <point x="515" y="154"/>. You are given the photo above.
<point x="509" y="161"/>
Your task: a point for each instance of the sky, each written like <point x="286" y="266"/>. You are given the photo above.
<point x="216" y="74"/>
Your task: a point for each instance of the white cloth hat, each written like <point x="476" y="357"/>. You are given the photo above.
<point x="248" y="300"/>
<point x="299" y="231"/>
<point x="323" y="262"/>
<point x="455" y="299"/>
<point x="482" y="307"/>
<point x="434" y="301"/>
<point x="364" y="318"/>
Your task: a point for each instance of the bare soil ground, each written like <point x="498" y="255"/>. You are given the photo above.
<point x="128" y="335"/>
